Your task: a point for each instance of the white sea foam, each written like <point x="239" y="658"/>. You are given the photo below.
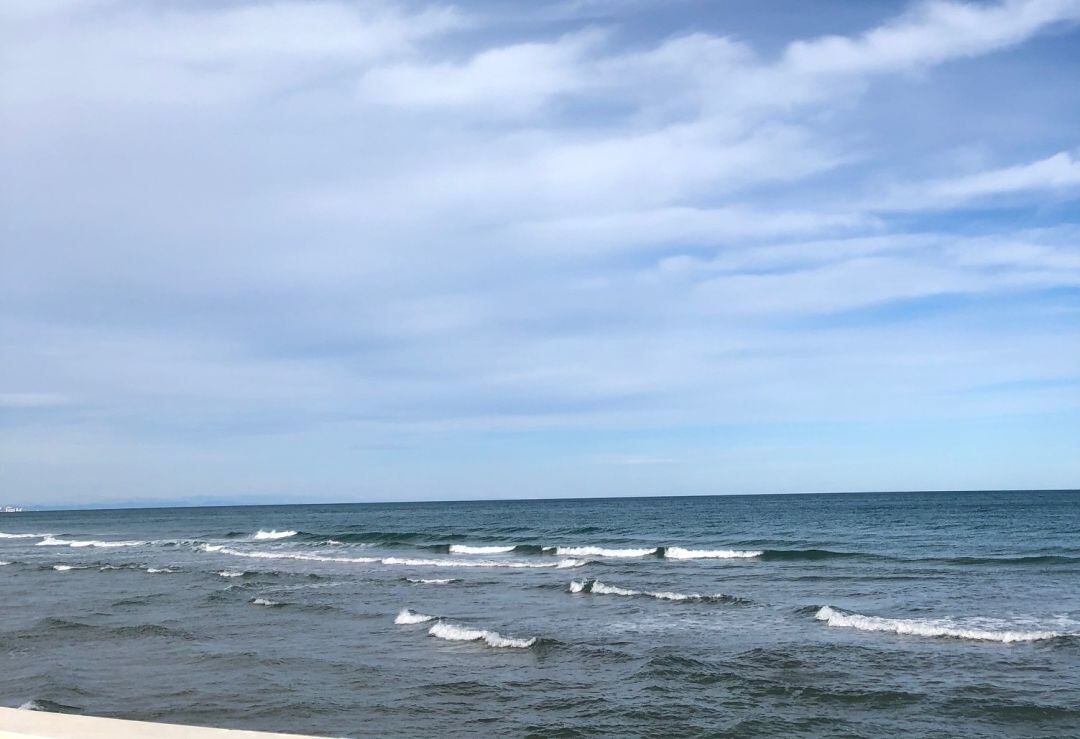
<point x="23" y="536"/>
<point x="561" y="564"/>
<point x="928" y="627"/>
<point x="159" y="570"/>
<point x="231" y="573"/>
<point x="466" y="549"/>
<point x="50" y="541"/>
<point x="409" y="616"/>
<point x="433" y="580"/>
<point x="265" y="602"/>
<point x="255" y="554"/>
<point x="400" y="561"/>
<point x="598" y="588"/>
<point x="64" y="568"/>
<point x="32" y="706"/>
<point x="452" y="632"/>
<point x="4" y="564"/>
<point x="262" y="535"/>
<point x="680" y="553"/>
<point x="601" y="552"/>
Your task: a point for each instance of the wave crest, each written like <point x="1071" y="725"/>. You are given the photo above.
<point x="272" y="534"/>
<point x="452" y="632"/>
<point x="681" y="553"/>
<point x="50" y="541"/>
<point x="402" y="561"/>
<point x="927" y="627"/>
<point x="266" y="602"/>
<point x="409" y="616"/>
<point x="598" y="588"/>
<point x="466" y="549"/>
<point x="602" y="552"/>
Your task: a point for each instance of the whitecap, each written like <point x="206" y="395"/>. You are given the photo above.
<point x="409" y="616"/>
<point x="160" y="570"/>
<point x="254" y="554"/>
<point x="598" y="588"/>
<point x="432" y="580"/>
<point x="561" y="564"/>
<point x="231" y="573"/>
<point x="265" y="602"/>
<point x="466" y="549"/>
<point x="927" y="627"/>
<point x="65" y="568"/>
<point x="271" y="535"/>
<point x="601" y="552"/>
<point x="50" y="541"/>
<point x="680" y="553"/>
<point x="409" y="562"/>
<point x="452" y="632"/>
<point x="4" y="564"/>
<point x="23" y="536"/>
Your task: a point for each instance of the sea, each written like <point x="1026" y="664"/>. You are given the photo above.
<point x="844" y="615"/>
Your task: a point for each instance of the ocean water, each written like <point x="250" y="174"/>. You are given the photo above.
<point x="933" y="614"/>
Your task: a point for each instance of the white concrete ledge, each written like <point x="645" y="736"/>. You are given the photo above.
<point x="19" y="724"/>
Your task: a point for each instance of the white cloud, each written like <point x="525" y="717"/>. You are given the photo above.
<point x="1060" y="172"/>
<point x="323" y="221"/>
<point x="934" y="32"/>
<point x="505" y="81"/>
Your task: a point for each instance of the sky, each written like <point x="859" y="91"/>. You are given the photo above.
<point x="395" y="250"/>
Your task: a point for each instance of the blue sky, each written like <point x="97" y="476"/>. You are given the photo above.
<point x="338" y="251"/>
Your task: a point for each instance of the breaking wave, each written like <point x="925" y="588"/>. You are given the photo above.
<point x="928" y="627"/>
<point x="41" y="704"/>
<point x="452" y="632"/>
<point x="560" y="564"/>
<point x="680" y="553"/>
<point x="50" y="541"/>
<point x="602" y="552"/>
<point x="401" y="561"/>
<point x="231" y="573"/>
<point x="465" y="549"/>
<point x="160" y="570"/>
<point x="271" y="535"/>
<point x="409" y="616"/>
<point x="23" y="536"/>
<point x="432" y="580"/>
<point x="598" y="588"/>
<point x="266" y="602"/>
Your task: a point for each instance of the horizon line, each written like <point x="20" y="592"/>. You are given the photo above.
<point x="116" y="506"/>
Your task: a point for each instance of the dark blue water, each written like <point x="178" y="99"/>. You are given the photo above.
<point x="941" y="614"/>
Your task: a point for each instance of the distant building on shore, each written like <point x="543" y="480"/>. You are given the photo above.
<point x="11" y="509"/>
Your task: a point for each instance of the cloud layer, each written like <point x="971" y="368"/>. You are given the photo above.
<point x="378" y="250"/>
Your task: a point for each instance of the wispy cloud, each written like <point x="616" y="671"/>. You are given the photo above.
<point x="411" y="243"/>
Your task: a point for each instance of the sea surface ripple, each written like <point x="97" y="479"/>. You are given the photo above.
<point x="866" y="615"/>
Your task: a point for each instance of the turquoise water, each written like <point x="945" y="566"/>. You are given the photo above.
<point x="925" y="614"/>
